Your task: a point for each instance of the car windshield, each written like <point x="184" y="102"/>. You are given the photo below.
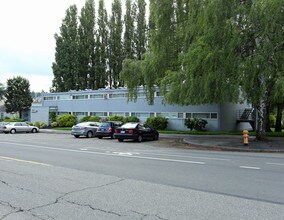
<point x="129" y="125"/>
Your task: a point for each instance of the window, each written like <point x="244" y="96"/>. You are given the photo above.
<point x="141" y="114"/>
<point x="169" y="114"/>
<point x="62" y="113"/>
<point x="214" y="115"/>
<point x="201" y="115"/>
<point x="117" y="95"/>
<point x="64" y="97"/>
<point x="117" y="114"/>
<point x="80" y="113"/>
<point x="99" y="114"/>
<point x="97" y="96"/>
<point x="80" y="97"/>
<point x="188" y="115"/>
<point x="180" y="115"/>
<point x="49" y="98"/>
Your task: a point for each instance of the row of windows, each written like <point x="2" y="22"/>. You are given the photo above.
<point x="147" y="114"/>
<point x="94" y="96"/>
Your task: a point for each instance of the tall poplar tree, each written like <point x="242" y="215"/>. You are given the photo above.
<point x="101" y="48"/>
<point x="141" y="29"/>
<point x="86" y="47"/>
<point x="128" y="39"/>
<point x="65" y="67"/>
<point x="115" y="45"/>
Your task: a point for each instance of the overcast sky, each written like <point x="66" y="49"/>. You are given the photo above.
<point x="27" y="44"/>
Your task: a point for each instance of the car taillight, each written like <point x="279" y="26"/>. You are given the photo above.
<point x="130" y="131"/>
<point x="115" y="131"/>
<point x="109" y="129"/>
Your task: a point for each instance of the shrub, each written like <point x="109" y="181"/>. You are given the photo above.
<point x="159" y="123"/>
<point x="272" y="120"/>
<point x="66" y="120"/>
<point x="43" y="125"/>
<point x="54" y="124"/>
<point x="90" y="118"/>
<point x="116" y="118"/>
<point x="190" y="123"/>
<point x="37" y="124"/>
<point x="197" y="124"/>
<point x="131" y="119"/>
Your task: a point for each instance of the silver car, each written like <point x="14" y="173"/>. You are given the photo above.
<point x="87" y="129"/>
<point x="15" y="127"/>
<point x="2" y="124"/>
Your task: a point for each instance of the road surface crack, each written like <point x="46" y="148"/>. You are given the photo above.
<point x="143" y="215"/>
<point x="95" y="209"/>
<point x="16" y="209"/>
<point x="20" y="188"/>
<point x="57" y="200"/>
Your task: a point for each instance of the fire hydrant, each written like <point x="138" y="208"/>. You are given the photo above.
<point x="246" y="137"/>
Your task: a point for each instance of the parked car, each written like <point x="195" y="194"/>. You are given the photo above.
<point x="15" y="127"/>
<point x="106" y="129"/>
<point x="2" y="124"/>
<point x="136" y="131"/>
<point x="87" y="129"/>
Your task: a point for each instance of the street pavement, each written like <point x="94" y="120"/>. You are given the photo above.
<point x="219" y="142"/>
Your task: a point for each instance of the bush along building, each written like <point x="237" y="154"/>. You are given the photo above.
<point x="114" y="102"/>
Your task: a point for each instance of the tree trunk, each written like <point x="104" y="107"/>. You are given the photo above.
<point x="261" y="119"/>
<point x="267" y="120"/>
<point x="278" y="124"/>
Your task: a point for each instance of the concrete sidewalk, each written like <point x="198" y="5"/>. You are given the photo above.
<point x="235" y="143"/>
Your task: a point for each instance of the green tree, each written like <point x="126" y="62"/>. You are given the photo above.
<point x="2" y="91"/>
<point x="128" y="40"/>
<point x="115" y="45"/>
<point x="208" y="72"/>
<point x="18" y="96"/>
<point x="65" y="67"/>
<point x="86" y="47"/>
<point x="262" y="66"/>
<point x="141" y="29"/>
<point x="101" y="49"/>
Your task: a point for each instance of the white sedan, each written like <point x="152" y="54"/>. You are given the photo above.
<point x="14" y="127"/>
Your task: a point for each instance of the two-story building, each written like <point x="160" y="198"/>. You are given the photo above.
<point x="110" y="102"/>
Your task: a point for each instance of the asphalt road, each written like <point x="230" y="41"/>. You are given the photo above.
<point x="56" y="176"/>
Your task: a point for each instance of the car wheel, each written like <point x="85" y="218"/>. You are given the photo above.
<point x="76" y="136"/>
<point x="13" y="131"/>
<point x="120" y="140"/>
<point x="100" y="137"/>
<point x="34" y="130"/>
<point x="139" y="139"/>
<point x="89" y="134"/>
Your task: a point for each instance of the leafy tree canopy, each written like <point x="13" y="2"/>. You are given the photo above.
<point x="18" y="96"/>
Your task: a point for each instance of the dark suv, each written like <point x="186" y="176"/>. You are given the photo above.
<point x="106" y="129"/>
